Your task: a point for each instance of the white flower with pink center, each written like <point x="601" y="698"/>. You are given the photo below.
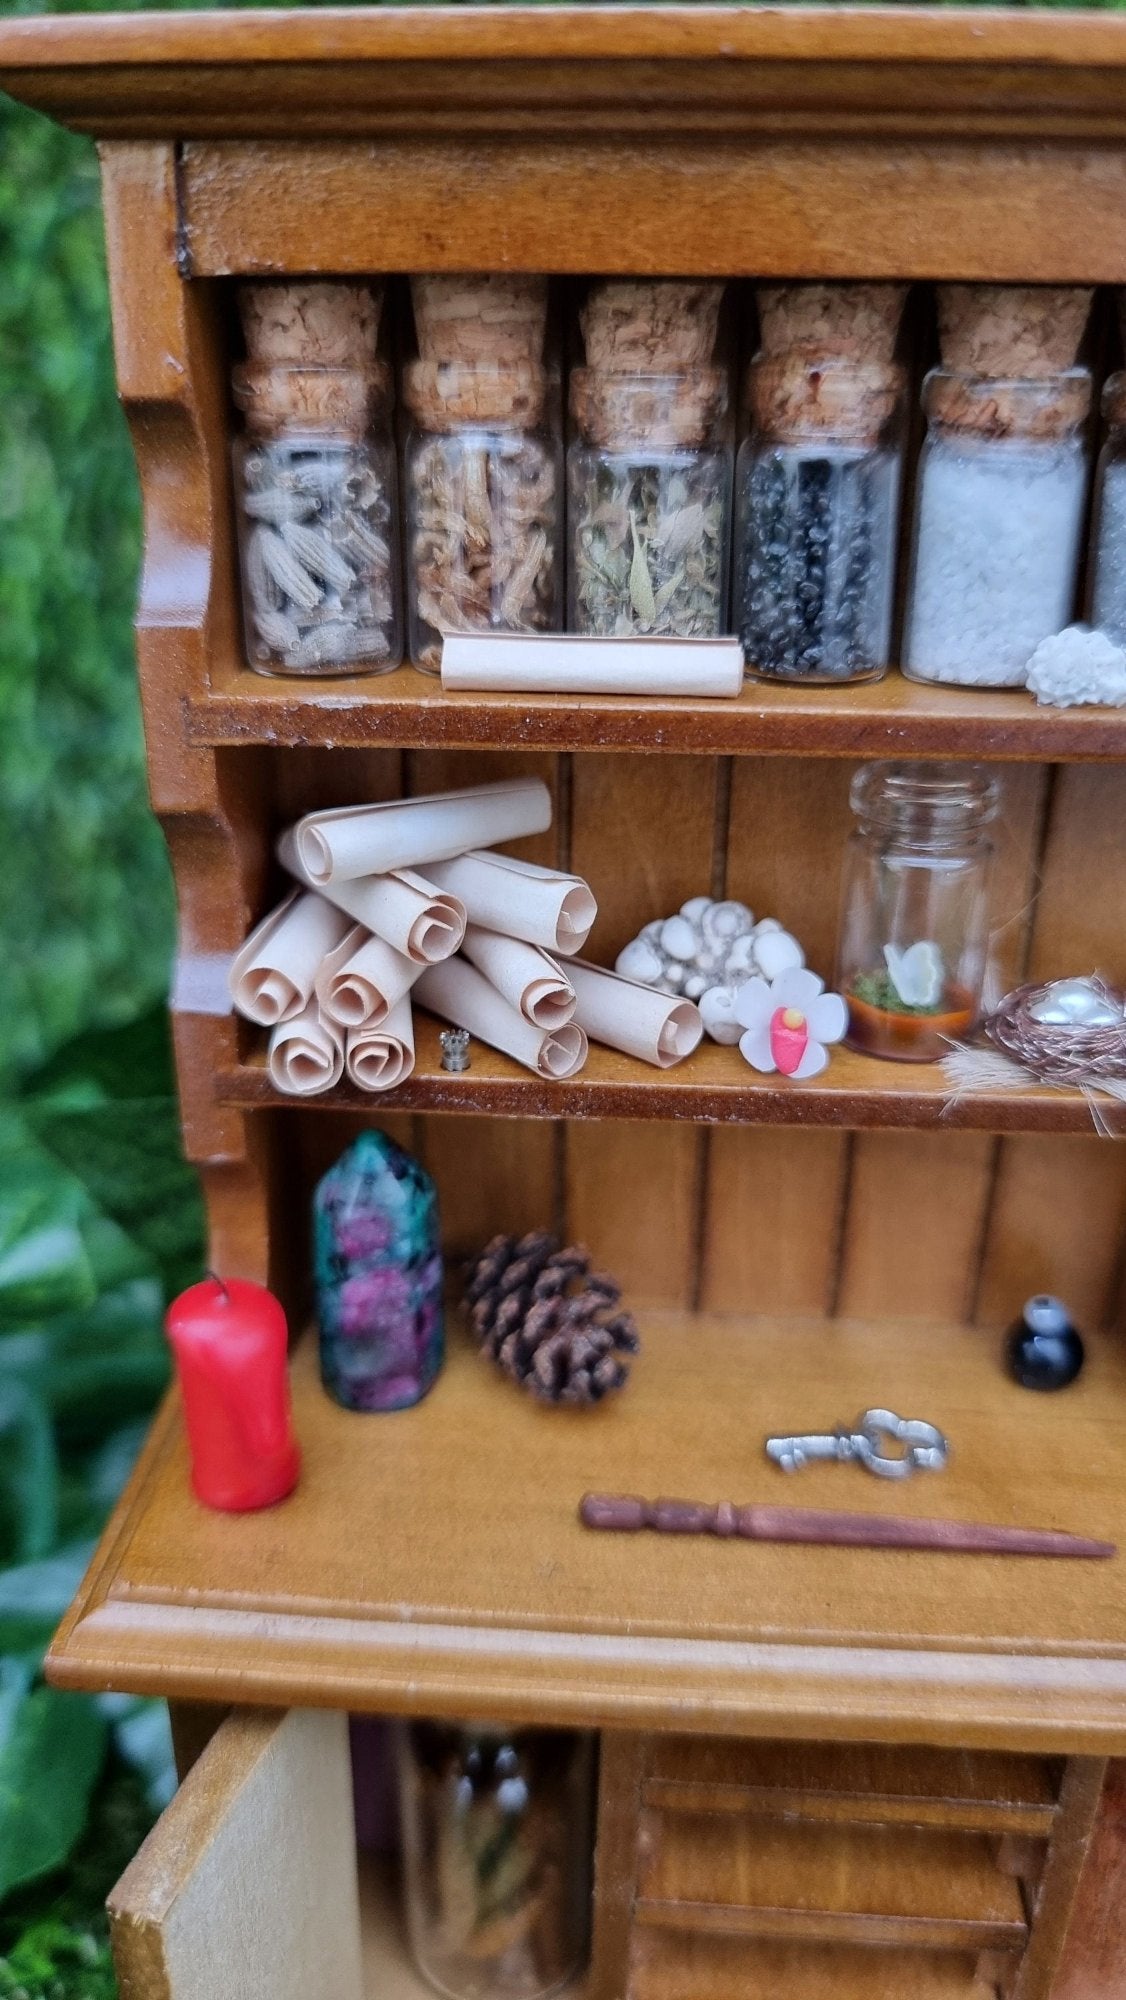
<point x="790" y="1023"/>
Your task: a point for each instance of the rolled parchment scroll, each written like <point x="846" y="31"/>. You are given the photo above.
<point x="306" y="1054"/>
<point x="337" y="846"/>
<point x="363" y="980"/>
<point x="521" y="899"/>
<point x="625" y="1015"/>
<point x="379" y="1058"/>
<point x="572" y="665"/>
<point x="461" y="994"/>
<point x="273" y="973"/>
<point x="524" y="975"/>
<point x="402" y="908"/>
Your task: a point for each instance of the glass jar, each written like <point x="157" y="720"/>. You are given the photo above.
<point x="817" y="521"/>
<point x="497" y="1848"/>
<point x="914" y="936"/>
<point x="317" y="514"/>
<point x="1108" y="586"/>
<point x="649" y="504"/>
<point x="999" y="516"/>
<point x="483" y="478"/>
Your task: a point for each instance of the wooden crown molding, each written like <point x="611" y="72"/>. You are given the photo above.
<point x="382" y="72"/>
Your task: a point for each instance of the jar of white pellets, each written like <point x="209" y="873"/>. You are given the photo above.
<point x="1108" y="585"/>
<point x="999" y="515"/>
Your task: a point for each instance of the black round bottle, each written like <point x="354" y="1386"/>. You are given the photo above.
<point x="1043" y="1347"/>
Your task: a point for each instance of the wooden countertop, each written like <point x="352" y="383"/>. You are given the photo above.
<point x="432" y="1562"/>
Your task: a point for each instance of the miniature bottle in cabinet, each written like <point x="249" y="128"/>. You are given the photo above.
<point x="915" y="913"/>
<point x="1108" y="589"/>
<point x="649" y="466"/>
<point x="483" y="464"/>
<point x="999" y="515"/>
<point x="817" y="487"/>
<point x="497" y="1829"/>
<point x="315" y="483"/>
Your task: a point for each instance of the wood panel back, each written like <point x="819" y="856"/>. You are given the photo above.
<point x="1057" y="1220"/>
<point x="774" y="1200"/>
<point x="644" y="833"/>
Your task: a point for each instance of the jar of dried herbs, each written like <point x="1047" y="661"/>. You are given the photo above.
<point x="497" y="1844"/>
<point x="818" y="484"/>
<point x="914" y="936"/>
<point x="483" y="464"/>
<point x="315" y="483"/>
<point x="649" y="468"/>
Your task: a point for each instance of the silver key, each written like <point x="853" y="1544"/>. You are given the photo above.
<point x="922" y="1447"/>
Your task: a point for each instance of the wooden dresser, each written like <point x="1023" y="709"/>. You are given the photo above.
<point x="822" y="1772"/>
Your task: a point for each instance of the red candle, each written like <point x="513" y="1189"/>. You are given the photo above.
<point x="229" y="1339"/>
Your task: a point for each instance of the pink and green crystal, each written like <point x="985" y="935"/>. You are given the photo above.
<point x="378" y="1265"/>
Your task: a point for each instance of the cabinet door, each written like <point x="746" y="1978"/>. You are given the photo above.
<point x="246" y="1887"/>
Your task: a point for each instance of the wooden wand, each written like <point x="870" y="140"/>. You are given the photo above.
<point x="623" y="1514"/>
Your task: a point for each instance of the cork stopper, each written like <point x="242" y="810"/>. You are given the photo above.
<point x="654" y="412"/>
<point x="489" y="317"/>
<point x="654" y="327"/>
<point x="276" y="398"/>
<point x="453" y="395"/>
<point x="835" y="400"/>
<point x="849" y="322"/>
<point x="311" y="325"/>
<point x="1012" y="332"/>
<point x="1051" y="408"/>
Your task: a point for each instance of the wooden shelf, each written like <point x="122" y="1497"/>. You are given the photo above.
<point x="713" y="1087"/>
<point x="893" y="717"/>
<point x="432" y="1561"/>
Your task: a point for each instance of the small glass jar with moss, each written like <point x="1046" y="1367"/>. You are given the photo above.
<point x="914" y="935"/>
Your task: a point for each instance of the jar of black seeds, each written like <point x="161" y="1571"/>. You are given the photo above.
<point x="817" y="517"/>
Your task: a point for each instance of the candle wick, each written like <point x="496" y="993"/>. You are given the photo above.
<point x="221" y="1282"/>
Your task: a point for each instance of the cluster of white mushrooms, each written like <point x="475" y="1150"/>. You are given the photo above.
<point x="706" y="953"/>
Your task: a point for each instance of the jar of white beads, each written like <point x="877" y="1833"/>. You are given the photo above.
<point x="998" y="524"/>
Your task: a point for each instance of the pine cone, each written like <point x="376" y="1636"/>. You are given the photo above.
<point x="548" y="1320"/>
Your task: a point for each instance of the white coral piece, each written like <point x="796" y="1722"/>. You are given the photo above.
<point x="1078" y="666"/>
<point x="705" y="952"/>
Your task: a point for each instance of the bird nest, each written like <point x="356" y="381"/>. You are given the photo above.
<point x="1057" y="1053"/>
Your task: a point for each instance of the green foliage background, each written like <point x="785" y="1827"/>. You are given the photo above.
<point x="99" y="1219"/>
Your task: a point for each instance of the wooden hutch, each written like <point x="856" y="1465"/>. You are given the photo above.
<point x="856" y="1773"/>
